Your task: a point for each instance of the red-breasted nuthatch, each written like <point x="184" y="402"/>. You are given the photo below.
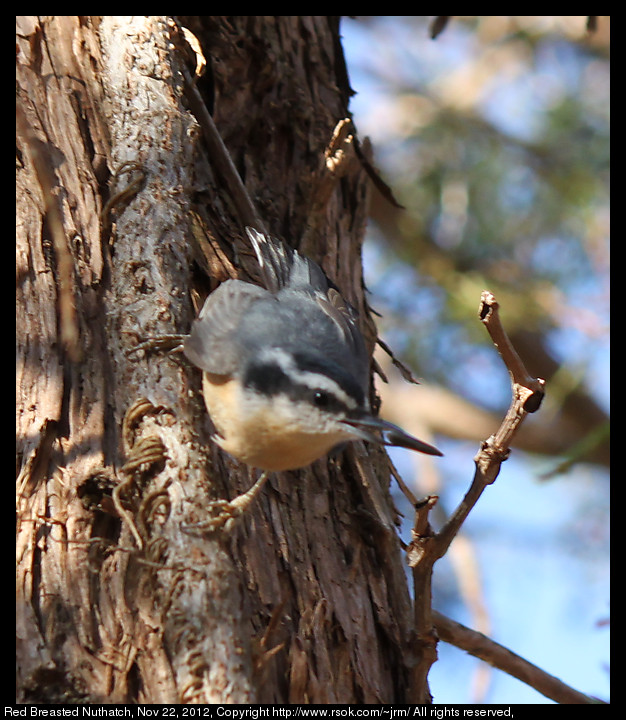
<point x="285" y="368"/>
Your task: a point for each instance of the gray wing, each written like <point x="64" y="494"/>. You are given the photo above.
<point x="211" y="345"/>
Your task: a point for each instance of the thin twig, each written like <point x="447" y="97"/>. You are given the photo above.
<point x="220" y="157"/>
<point x="336" y="162"/>
<point x="489" y="314"/>
<point x="438" y="25"/>
<point x="526" y="396"/>
<point x="425" y="547"/>
<point x="502" y="658"/>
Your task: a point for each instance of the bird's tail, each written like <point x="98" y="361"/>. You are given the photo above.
<point x="282" y="266"/>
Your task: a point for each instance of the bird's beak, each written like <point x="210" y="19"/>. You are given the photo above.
<point x="390" y="434"/>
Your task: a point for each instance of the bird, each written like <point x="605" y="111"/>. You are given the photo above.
<point x="285" y="369"/>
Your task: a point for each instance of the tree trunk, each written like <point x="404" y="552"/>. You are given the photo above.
<point x="305" y="599"/>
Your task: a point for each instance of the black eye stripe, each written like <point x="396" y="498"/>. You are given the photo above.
<point x="344" y="379"/>
<point x="269" y="379"/>
<point x="319" y="398"/>
<point x="327" y="401"/>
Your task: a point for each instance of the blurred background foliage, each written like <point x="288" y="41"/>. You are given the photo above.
<point x="494" y="137"/>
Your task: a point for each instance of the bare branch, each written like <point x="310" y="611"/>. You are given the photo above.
<point x="500" y="657"/>
<point x="526" y="396"/>
<point x="425" y="547"/>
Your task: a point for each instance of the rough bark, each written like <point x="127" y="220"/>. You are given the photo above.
<point x="306" y="599"/>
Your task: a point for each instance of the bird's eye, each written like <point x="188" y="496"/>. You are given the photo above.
<point x="321" y="399"/>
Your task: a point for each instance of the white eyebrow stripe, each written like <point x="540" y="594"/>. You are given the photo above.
<point x="310" y="379"/>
